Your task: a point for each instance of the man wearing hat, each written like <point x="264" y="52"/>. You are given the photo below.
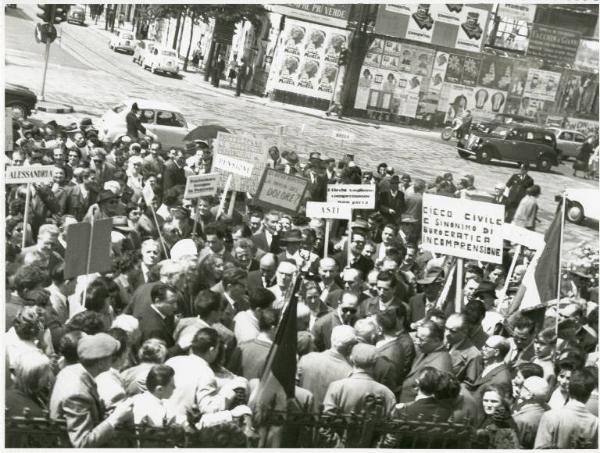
<point x="350" y="394"/>
<point x="290" y="241"/>
<point x="317" y="180"/>
<point x="107" y="205"/>
<point x="75" y="395"/>
<point x="391" y="202"/>
<point x="431" y="285"/>
<point x="486" y="292"/>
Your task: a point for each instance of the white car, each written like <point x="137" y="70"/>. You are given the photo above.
<point x="161" y="59"/>
<point x="581" y="204"/>
<point x="568" y="142"/>
<point x="164" y="120"/>
<point x="123" y="41"/>
<point x="142" y="50"/>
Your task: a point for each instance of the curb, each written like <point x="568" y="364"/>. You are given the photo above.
<point x="50" y="107"/>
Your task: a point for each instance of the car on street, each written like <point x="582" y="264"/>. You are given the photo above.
<point x="512" y="143"/>
<point x="142" y="49"/>
<point x="162" y="59"/>
<point x="581" y="204"/>
<point x="568" y="142"/>
<point x="122" y="41"/>
<point x="164" y="120"/>
<point x="76" y="15"/>
<point x="20" y="99"/>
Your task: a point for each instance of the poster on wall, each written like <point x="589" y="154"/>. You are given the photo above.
<point x="520" y="72"/>
<point x="489" y="101"/>
<point x="555" y="46"/>
<point x="537" y="109"/>
<point x="586" y="127"/>
<point x="447" y="13"/>
<point x="462" y="70"/>
<point x="496" y="72"/>
<point x="587" y="56"/>
<point x="541" y="84"/>
<point x="420" y="23"/>
<point x="513" y="105"/>
<point x="455" y="99"/>
<point x="393" y="92"/>
<point x="470" y="31"/>
<point x="308" y="59"/>
<point x="576" y="94"/>
<point x="522" y="12"/>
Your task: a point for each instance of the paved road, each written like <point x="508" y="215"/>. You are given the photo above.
<point x="102" y="78"/>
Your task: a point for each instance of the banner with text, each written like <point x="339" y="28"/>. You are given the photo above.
<point x="332" y="14"/>
<point x="358" y="196"/>
<point x="33" y="174"/>
<point x="463" y="228"/>
<point x="201" y="186"/>
<point x="280" y="191"/>
<point x="556" y="46"/>
<point x="319" y="210"/>
<point x="242" y="156"/>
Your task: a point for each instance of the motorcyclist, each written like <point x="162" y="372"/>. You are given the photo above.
<point x="463" y="123"/>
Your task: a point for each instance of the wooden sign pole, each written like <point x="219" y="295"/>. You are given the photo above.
<point x="349" y="239"/>
<point x="459" y="282"/>
<point x="223" y="196"/>
<point x="327" y="232"/>
<point x="25" y="215"/>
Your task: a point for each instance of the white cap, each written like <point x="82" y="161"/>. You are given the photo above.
<point x="185" y="247"/>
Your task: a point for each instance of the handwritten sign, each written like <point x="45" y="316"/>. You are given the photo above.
<point x="233" y="165"/>
<point x="240" y="148"/>
<point x="280" y="191"/>
<point x="358" y="196"/>
<point x="319" y="210"/>
<point x="33" y="174"/>
<point x="463" y="228"/>
<point x="197" y="186"/>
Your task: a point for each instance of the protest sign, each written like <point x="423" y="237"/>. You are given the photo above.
<point x="358" y="196"/>
<point x="343" y="135"/>
<point x="315" y="209"/>
<point x="197" y="186"/>
<point x="245" y="159"/>
<point x="523" y="236"/>
<point x="88" y="248"/>
<point x="32" y="174"/>
<point x="280" y="191"/>
<point x="463" y="228"/>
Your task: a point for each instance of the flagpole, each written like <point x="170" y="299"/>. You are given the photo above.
<point x="562" y="232"/>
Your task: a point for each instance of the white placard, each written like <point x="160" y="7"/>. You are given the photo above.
<point x="319" y="210"/>
<point x="343" y="135"/>
<point x="233" y="165"/>
<point x="201" y="185"/>
<point x="523" y="236"/>
<point x="359" y="196"/>
<point x="463" y="228"/>
<point x="33" y="174"/>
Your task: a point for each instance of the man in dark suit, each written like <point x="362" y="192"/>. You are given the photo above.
<point x="431" y="352"/>
<point x="467" y="362"/>
<point x="104" y="170"/>
<point x="517" y="185"/>
<point x="264" y="277"/>
<point x="174" y="173"/>
<point x="391" y="202"/>
<point x="426" y="407"/>
<point x="346" y="313"/>
<point x="157" y="320"/>
<point x="422" y="302"/>
<point x="268" y="238"/>
<point x="353" y="281"/>
<point x="358" y="261"/>
<point x="386" y="295"/>
<point x="317" y="180"/>
<point x="495" y="370"/>
<point x="134" y="124"/>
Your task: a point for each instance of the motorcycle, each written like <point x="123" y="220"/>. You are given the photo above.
<point x="451" y="131"/>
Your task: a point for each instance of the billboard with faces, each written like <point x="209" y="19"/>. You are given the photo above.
<point x="541" y="85"/>
<point x="308" y="59"/>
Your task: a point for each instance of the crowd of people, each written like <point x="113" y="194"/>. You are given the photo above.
<point x="178" y="331"/>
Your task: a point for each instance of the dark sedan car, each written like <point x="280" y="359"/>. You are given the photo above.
<point x="20" y="99"/>
<point x="76" y="15"/>
<point x="512" y="143"/>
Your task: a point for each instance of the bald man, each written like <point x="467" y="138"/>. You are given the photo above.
<point x="328" y="272"/>
<point x="264" y="277"/>
<point x="532" y="406"/>
<point x="495" y="370"/>
<point x="284" y="278"/>
<point x="467" y="362"/>
<point x="347" y="312"/>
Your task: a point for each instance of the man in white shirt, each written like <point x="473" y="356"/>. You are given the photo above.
<point x="153" y="407"/>
<point x="246" y="322"/>
<point x="285" y="277"/>
<point x="150" y="257"/>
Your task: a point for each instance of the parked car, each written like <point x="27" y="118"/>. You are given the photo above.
<point x="164" y="120"/>
<point x="142" y="49"/>
<point x="568" y="142"/>
<point x="512" y="143"/>
<point x="20" y="99"/>
<point x="76" y="15"/>
<point x="123" y="41"/>
<point x="162" y="59"/>
<point x="581" y="204"/>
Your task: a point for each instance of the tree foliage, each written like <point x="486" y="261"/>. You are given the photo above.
<point x="204" y="12"/>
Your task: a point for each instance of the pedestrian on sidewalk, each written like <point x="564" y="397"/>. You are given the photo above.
<point x="233" y="66"/>
<point x="242" y="77"/>
<point x="217" y="71"/>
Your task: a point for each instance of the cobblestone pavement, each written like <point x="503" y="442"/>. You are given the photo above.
<point x="86" y="74"/>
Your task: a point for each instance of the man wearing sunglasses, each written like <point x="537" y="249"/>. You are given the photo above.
<point x="345" y="314"/>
